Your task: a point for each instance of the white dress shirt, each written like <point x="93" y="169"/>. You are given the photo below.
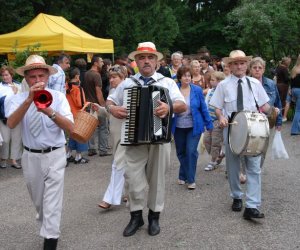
<point x="225" y="95"/>
<point x="166" y="82"/>
<point x="51" y="135"/>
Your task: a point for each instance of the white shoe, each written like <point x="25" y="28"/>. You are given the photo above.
<point x="284" y="119"/>
<point x="3" y="164"/>
<point x="191" y="186"/>
<point x="211" y="166"/>
<point x="180" y="182"/>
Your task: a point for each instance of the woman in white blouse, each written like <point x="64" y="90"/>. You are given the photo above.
<point x="12" y="143"/>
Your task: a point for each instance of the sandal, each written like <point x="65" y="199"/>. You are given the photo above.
<point x="81" y="161"/>
<point x="104" y="205"/>
<point x="220" y="158"/>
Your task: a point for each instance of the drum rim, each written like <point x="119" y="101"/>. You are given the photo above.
<point x="247" y="140"/>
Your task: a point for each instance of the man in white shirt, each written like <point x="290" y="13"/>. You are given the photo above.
<point x="58" y="81"/>
<point x="146" y="164"/>
<point x="227" y="102"/>
<point x="44" y="156"/>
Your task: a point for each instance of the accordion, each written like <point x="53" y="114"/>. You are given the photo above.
<point x="141" y="125"/>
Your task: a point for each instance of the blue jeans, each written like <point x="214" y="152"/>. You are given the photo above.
<point x="295" y="129"/>
<point x="186" y="147"/>
<point x="253" y="173"/>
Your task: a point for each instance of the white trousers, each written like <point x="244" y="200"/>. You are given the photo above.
<point x="113" y="194"/>
<point x="13" y="138"/>
<point x="44" y="176"/>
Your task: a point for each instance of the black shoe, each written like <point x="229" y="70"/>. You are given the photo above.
<point x="254" y="213"/>
<point x="135" y="223"/>
<point x="153" y="219"/>
<point x="237" y="205"/>
<point x="50" y="244"/>
<point x="101" y="154"/>
<point x="92" y="152"/>
<point x="70" y="159"/>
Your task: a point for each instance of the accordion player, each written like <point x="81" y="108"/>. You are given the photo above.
<point x="141" y="125"/>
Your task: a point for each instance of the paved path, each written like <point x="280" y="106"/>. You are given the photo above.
<point x="199" y="219"/>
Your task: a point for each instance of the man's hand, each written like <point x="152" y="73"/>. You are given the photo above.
<point x="162" y="110"/>
<point x="223" y="122"/>
<point x="118" y="111"/>
<point x="34" y="88"/>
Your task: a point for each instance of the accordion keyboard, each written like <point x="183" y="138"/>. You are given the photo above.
<point x="157" y="123"/>
<point x="128" y="126"/>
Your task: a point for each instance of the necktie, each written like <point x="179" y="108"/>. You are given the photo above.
<point x="35" y="126"/>
<point x="145" y="79"/>
<point x="240" y="105"/>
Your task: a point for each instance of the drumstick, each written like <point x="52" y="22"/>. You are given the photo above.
<point x="233" y="123"/>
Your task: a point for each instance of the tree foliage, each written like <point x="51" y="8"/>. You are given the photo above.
<point x="269" y="28"/>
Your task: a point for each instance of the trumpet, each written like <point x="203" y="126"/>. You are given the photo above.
<point x="42" y="99"/>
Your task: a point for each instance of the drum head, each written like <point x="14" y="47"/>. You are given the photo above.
<point x="238" y="134"/>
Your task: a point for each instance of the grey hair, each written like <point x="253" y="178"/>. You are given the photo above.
<point x="177" y="53"/>
<point x="256" y="60"/>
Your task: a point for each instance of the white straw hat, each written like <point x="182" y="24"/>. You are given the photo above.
<point x="146" y="47"/>
<point x="35" y="62"/>
<point x="236" y="55"/>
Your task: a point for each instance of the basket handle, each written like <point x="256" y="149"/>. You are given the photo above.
<point x="95" y="113"/>
<point x="85" y="106"/>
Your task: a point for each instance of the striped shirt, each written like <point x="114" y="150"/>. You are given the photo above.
<point x="211" y="109"/>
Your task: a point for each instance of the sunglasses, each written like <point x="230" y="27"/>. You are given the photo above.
<point x="115" y="69"/>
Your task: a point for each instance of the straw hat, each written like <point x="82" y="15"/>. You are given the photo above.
<point x="35" y="62"/>
<point x="236" y="55"/>
<point x="145" y="47"/>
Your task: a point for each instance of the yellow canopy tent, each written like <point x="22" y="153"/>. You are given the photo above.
<point x="54" y="34"/>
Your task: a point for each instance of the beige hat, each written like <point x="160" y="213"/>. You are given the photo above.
<point x="35" y="62"/>
<point x="236" y="55"/>
<point x="146" y="47"/>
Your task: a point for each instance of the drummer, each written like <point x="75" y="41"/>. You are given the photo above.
<point x="233" y="95"/>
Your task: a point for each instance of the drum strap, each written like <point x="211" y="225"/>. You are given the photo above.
<point x="248" y="81"/>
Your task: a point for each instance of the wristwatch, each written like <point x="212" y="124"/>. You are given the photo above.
<point x="53" y="115"/>
<point x="108" y="108"/>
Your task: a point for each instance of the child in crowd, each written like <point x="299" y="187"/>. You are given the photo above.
<point x="213" y="140"/>
<point x="76" y="98"/>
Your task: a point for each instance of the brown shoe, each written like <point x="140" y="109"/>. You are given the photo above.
<point x="104" y="205"/>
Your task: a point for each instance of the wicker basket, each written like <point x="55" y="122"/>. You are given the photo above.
<point x="85" y="124"/>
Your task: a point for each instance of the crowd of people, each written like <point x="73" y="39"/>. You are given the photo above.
<point x="206" y="94"/>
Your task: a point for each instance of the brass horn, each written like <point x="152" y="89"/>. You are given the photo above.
<point x="42" y="99"/>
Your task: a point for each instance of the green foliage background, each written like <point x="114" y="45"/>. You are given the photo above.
<point x="269" y="28"/>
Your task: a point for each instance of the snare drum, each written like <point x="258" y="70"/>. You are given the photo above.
<point x="249" y="133"/>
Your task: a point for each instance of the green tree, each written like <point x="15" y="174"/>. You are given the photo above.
<point x="269" y="28"/>
<point x="201" y="23"/>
